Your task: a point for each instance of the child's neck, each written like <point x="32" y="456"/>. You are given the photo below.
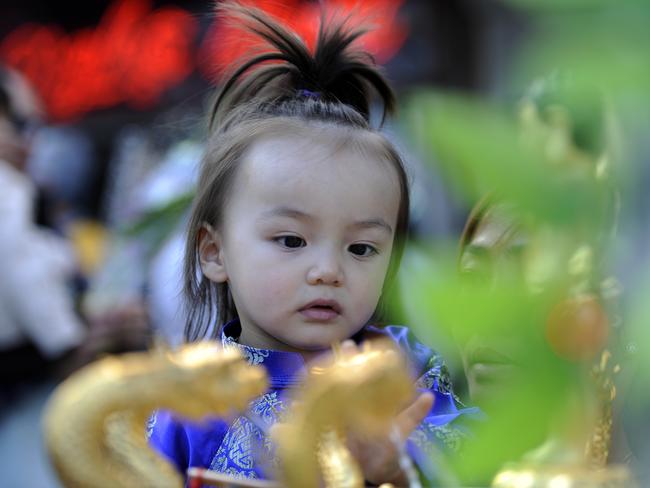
<point x="261" y="340"/>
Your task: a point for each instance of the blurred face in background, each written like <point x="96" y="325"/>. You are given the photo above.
<point x="492" y="256"/>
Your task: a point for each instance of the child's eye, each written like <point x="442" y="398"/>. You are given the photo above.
<point x="363" y="250"/>
<point x="290" y="242"/>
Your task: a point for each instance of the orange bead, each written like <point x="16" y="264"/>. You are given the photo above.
<point x="577" y="328"/>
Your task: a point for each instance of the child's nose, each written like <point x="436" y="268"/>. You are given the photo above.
<point x="326" y="271"/>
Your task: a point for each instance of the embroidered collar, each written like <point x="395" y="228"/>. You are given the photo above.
<point x="285" y="369"/>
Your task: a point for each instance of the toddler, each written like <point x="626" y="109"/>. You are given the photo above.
<point x="297" y="230"/>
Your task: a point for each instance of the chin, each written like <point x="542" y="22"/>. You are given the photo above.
<point x="312" y="346"/>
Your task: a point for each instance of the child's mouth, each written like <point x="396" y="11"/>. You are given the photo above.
<point x="321" y="310"/>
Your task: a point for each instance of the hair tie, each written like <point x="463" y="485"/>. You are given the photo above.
<point x="308" y="93"/>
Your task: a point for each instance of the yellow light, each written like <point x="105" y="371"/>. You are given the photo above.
<point x="560" y="481"/>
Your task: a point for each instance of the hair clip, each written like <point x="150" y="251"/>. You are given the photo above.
<point x="308" y="93"/>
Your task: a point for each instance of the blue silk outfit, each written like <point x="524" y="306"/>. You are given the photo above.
<point x="241" y="446"/>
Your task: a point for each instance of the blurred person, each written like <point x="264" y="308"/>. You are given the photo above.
<point x="38" y="323"/>
<point x="41" y="331"/>
<point x="43" y="337"/>
<point x="502" y="245"/>
<point x="500" y="239"/>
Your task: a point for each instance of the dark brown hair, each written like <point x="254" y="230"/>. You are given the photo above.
<point x="287" y="89"/>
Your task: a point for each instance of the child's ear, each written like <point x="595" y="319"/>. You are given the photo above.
<point x="211" y="254"/>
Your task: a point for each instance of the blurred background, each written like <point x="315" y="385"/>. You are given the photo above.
<point x="102" y="123"/>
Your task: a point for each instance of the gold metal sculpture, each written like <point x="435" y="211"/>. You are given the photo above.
<point x="95" y="421"/>
<point x="359" y="392"/>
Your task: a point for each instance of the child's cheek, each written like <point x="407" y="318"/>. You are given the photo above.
<point x="377" y="276"/>
<point x="273" y="285"/>
<point x="366" y="289"/>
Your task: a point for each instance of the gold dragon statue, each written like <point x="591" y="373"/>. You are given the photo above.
<point x="359" y="392"/>
<point x="95" y="421"/>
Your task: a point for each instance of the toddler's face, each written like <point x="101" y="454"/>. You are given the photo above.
<point x="305" y="242"/>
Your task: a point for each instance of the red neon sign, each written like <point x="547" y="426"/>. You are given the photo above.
<point x="132" y="56"/>
<point x="136" y="52"/>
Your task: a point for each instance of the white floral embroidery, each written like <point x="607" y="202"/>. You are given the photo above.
<point x="267" y="407"/>
<point x="243" y="446"/>
<point x="253" y="355"/>
<point x="236" y="448"/>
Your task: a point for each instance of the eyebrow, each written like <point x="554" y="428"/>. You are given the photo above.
<point x="373" y="224"/>
<point x="293" y="213"/>
<point x="283" y="211"/>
